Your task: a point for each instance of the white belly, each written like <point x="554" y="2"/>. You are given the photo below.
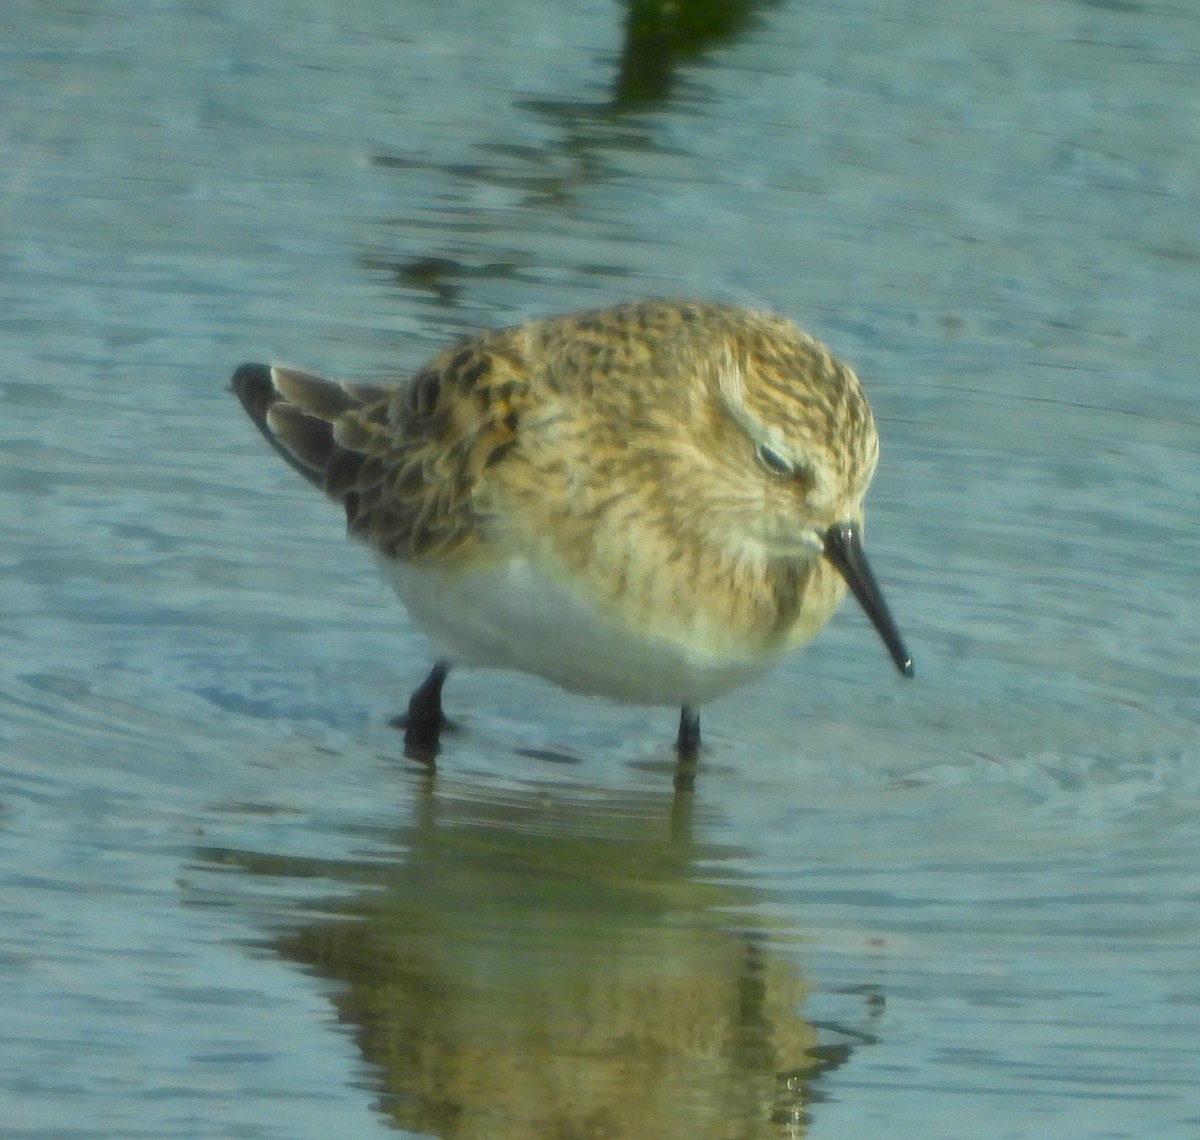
<point x="513" y="616"/>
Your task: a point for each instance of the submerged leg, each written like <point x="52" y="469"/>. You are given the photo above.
<point x="687" y="745"/>
<point x="424" y="721"/>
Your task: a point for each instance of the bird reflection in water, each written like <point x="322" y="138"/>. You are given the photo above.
<point x="555" y="962"/>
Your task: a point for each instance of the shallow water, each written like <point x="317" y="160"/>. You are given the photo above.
<point x="965" y="906"/>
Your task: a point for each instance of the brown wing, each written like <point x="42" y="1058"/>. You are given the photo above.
<point x="404" y="462"/>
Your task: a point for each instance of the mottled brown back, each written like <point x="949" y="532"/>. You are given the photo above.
<point x="402" y="461"/>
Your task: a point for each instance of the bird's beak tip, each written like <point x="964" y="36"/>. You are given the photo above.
<point x="843" y="547"/>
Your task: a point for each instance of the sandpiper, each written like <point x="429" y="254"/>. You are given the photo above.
<point x="653" y="502"/>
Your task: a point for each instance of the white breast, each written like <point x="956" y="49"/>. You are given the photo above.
<point x="515" y="616"/>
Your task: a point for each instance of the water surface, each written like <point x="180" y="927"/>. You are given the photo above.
<point x="961" y="906"/>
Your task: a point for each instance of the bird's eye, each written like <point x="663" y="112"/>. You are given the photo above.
<point x="772" y="460"/>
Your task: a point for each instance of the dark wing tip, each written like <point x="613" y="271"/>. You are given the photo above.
<point x="307" y="444"/>
<point x="253" y="386"/>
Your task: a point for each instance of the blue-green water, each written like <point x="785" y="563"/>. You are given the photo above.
<point x="965" y="906"/>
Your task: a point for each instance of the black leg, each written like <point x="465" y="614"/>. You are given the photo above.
<point x="687" y="745"/>
<point x="424" y="721"/>
<point x="688" y="740"/>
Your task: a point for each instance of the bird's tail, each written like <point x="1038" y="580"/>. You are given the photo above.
<point x="296" y="411"/>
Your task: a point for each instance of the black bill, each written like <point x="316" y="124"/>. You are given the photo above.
<point x="843" y="547"/>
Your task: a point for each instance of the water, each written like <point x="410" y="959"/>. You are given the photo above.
<point x="961" y="906"/>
